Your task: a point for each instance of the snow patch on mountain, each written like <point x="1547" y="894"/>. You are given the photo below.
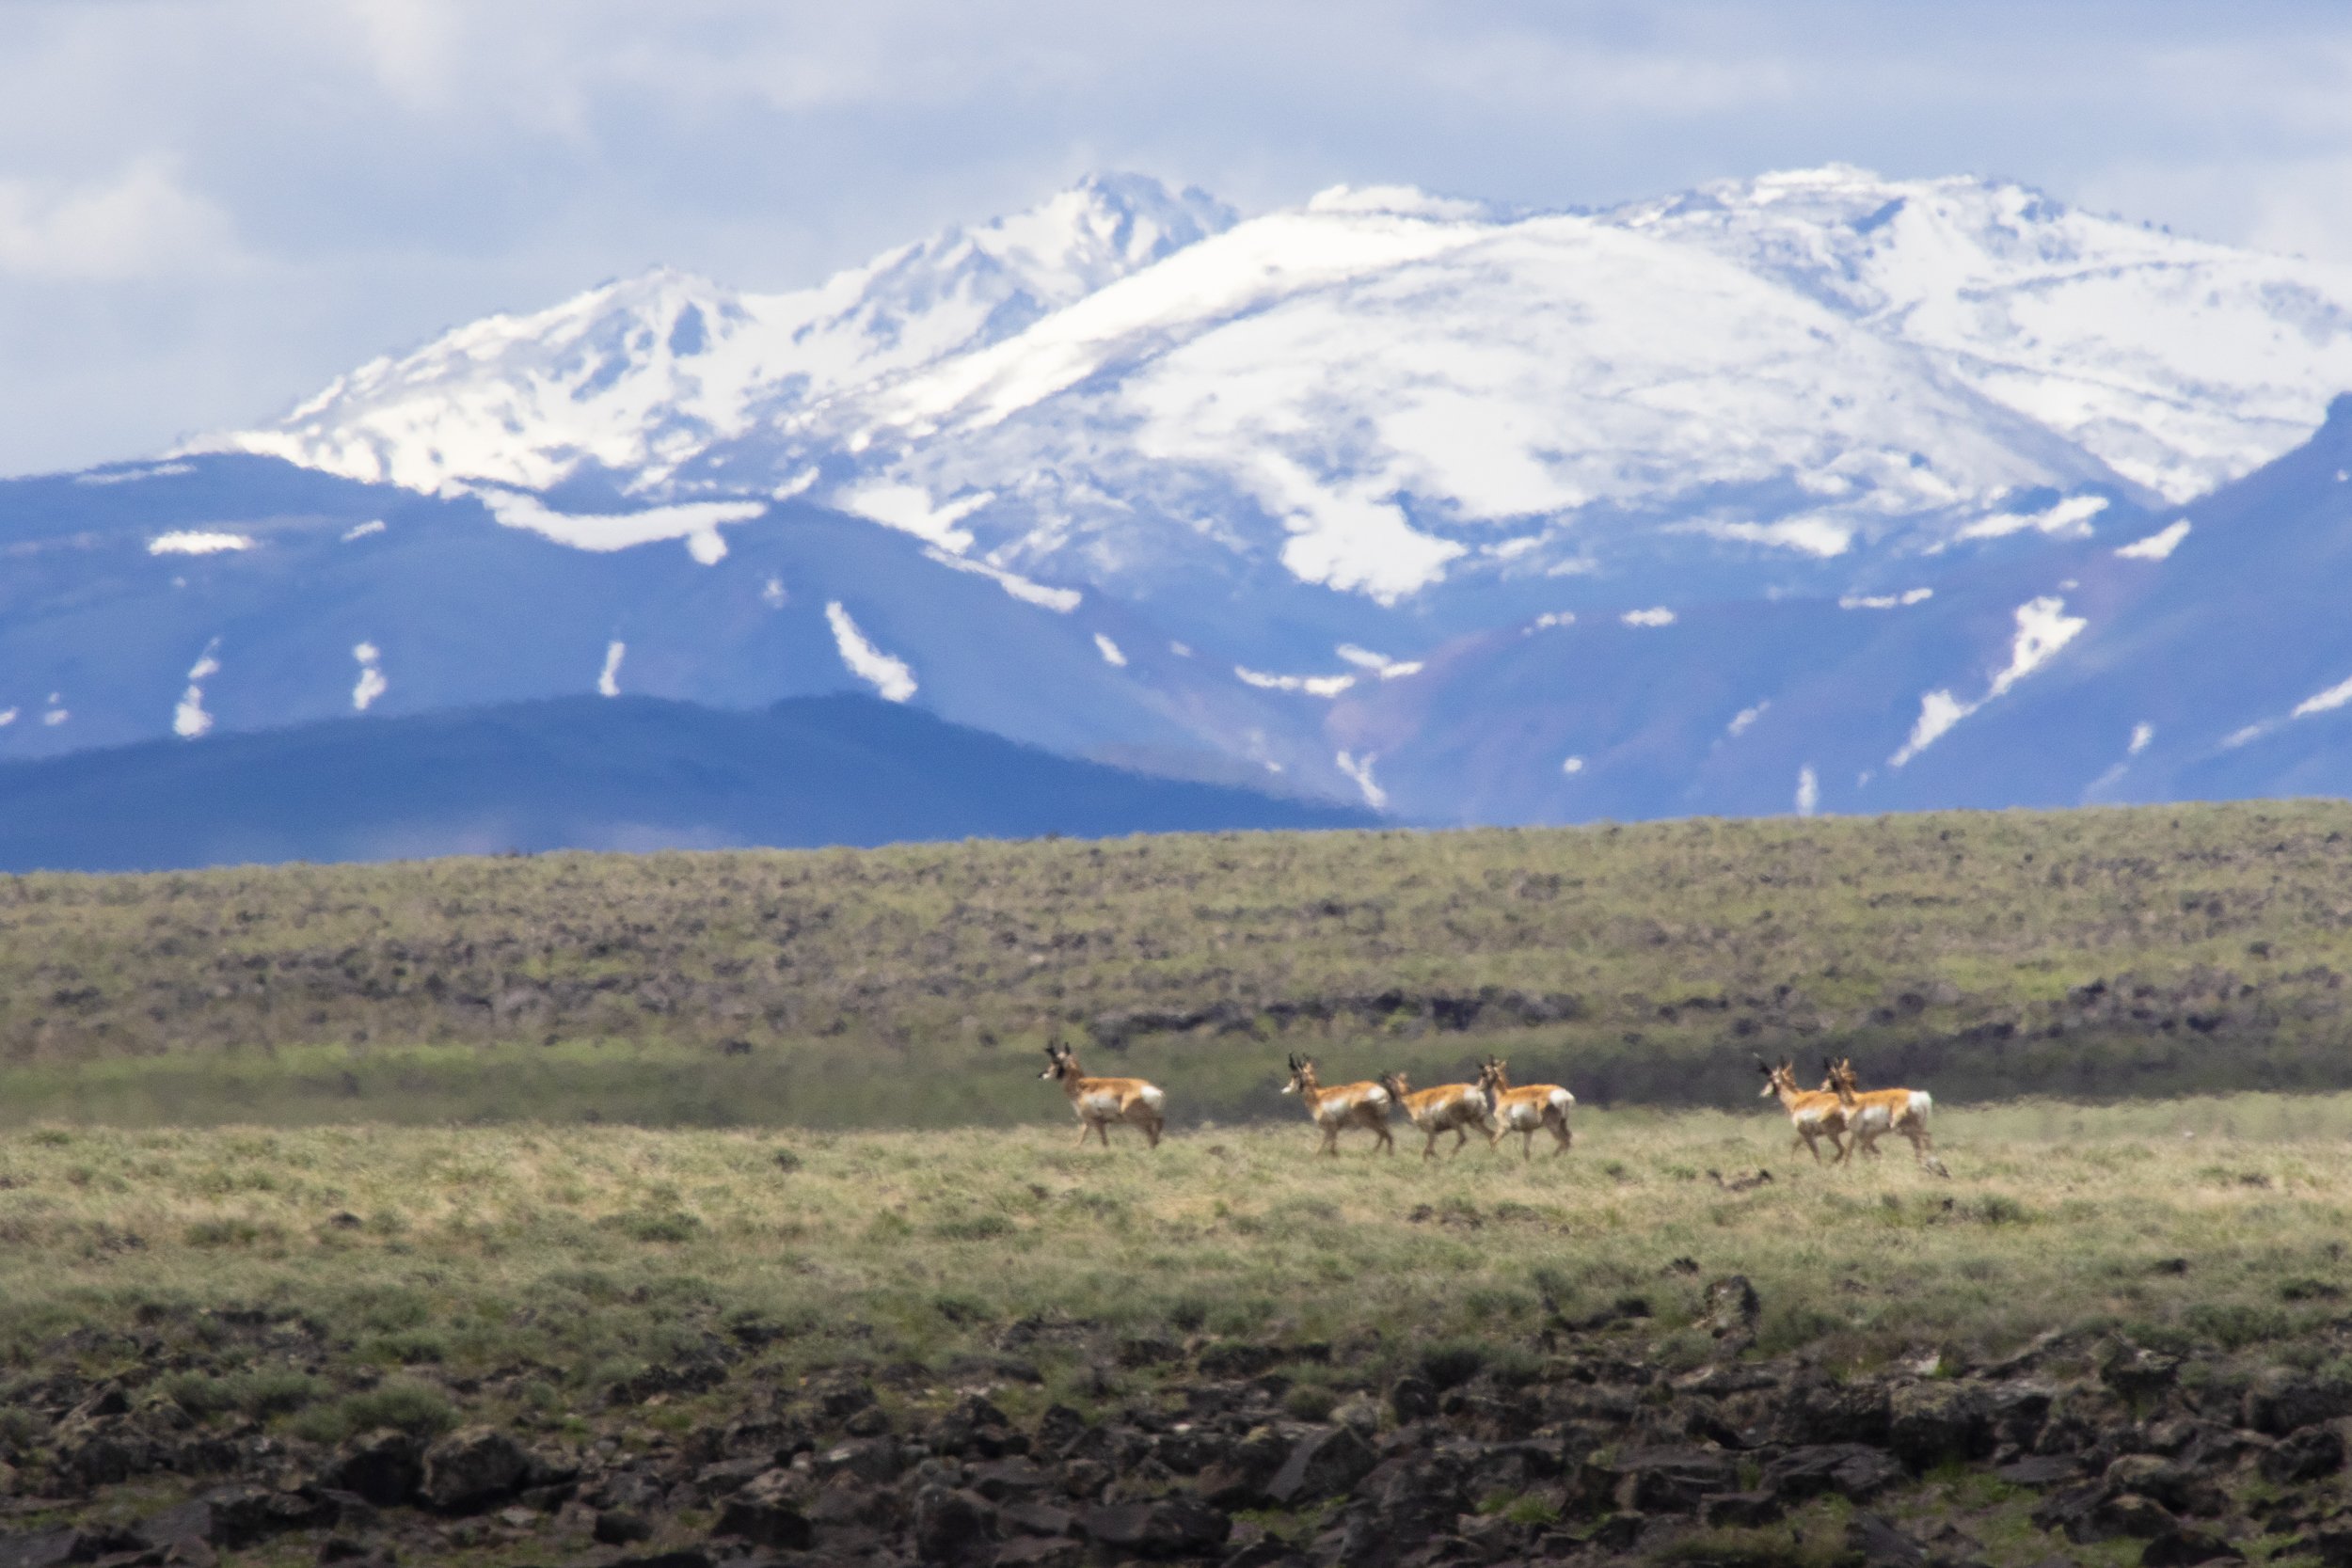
<point x="196" y="541"/>
<point x="697" y="522"/>
<point x="370" y="684"/>
<point x="891" y="678"/>
<point x="2158" y="546"/>
<point x="2042" y="627"/>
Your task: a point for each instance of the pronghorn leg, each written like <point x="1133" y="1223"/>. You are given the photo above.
<point x="1152" y="1131"/>
<point x="1560" y="1133"/>
<point x="1807" y="1140"/>
<point x="1460" y="1139"/>
<point x="1086" y="1131"/>
<point x="1527" y="1143"/>
<point x="1387" y="1139"/>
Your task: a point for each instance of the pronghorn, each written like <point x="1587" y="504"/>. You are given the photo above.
<point x="1814" y="1114"/>
<point x="1525" y="1109"/>
<point x="1448" y="1108"/>
<point x="1873" y="1114"/>
<point x="1336" y="1110"/>
<point x="1100" y="1101"/>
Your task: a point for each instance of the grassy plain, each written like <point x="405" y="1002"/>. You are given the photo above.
<point x="523" y="1272"/>
<point x="2093" y="955"/>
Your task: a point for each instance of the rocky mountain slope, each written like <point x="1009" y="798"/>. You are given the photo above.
<point x="1815" y="491"/>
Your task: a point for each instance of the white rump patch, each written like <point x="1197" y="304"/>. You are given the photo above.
<point x="890" y="678"/>
<point x="1110" y="652"/>
<point x="1359" y="769"/>
<point x="372" y="683"/>
<point x="2159" y="545"/>
<point x="374" y="526"/>
<point x="697" y="522"/>
<point x="197" y="540"/>
<point x="608" y="679"/>
<point x="908" y="508"/>
<point x="1661" y="616"/>
<point x="189" y="720"/>
<point x="1060" y="600"/>
<point x="1808" y="791"/>
<point x="2043" y="627"/>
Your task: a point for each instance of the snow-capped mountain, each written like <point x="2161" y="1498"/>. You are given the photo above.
<point x="1793" y="492"/>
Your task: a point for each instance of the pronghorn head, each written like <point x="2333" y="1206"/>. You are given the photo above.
<point x="1842" y="1077"/>
<point x="1302" y="1074"/>
<point x="1490" y="1075"/>
<point x="1396" y="1085"/>
<point x="1777" y="1078"/>
<point x="1059" y="1063"/>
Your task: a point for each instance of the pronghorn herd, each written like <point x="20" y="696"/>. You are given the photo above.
<point x="1838" y="1110"/>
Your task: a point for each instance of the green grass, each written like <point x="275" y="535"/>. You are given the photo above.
<point x="2092" y="954"/>
<point x="551" y="1265"/>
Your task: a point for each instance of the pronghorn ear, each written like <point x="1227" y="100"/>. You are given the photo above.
<point x="1763" y="1067"/>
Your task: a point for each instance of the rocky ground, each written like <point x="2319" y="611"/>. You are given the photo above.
<point x="1581" y="1450"/>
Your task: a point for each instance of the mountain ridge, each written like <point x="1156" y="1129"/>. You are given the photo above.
<point x="1791" y="493"/>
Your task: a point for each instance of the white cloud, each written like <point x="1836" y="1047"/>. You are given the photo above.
<point x="1572" y="767"/>
<point x="189" y="720"/>
<point x="137" y="223"/>
<point x="1808" y="791"/>
<point x="609" y="678"/>
<point x="1661" y="616"/>
<point x="1110" y="651"/>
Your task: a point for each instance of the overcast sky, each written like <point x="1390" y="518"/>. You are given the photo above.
<point x="208" y="208"/>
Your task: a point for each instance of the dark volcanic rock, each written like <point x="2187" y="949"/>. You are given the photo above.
<point x="383" y="1466"/>
<point x="1931" y="1422"/>
<point x="951" y="1527"/>
<point x="1665" y="1480"/>
<point x="2309" y="1454"/>
<point x="1324" y="1462"/>
<point x="1855" y="1471"/>
<point x="766" y="1511"/>
<point x="617" y="1527"/>
<point x="2182" y="1548"/>
<point x="2176" y="1486"/>
<point x="1168" y="1527"/>
<point x="1820" y="1412"/>
<point x="2282" y="1401"/>
<point x="473" y="1469"/>
<point x="1879" y="1544"/>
